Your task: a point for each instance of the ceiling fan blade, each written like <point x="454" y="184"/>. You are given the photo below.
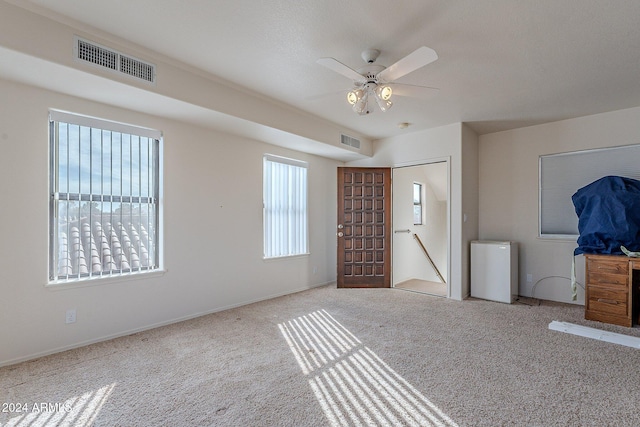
<point x="418" y="58"/>
<point x="414" y="91"/>
<point x="340" y="68"/>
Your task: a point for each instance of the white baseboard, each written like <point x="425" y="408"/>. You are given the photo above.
<point x="153" y="326"/>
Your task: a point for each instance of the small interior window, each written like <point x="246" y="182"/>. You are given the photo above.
<point x="417" y="203"/>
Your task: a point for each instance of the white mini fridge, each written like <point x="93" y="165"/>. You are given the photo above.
<point x="494" y="270"/>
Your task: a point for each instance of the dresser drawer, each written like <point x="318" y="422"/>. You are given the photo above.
<point x="620" y="281"/>
<point x="608" y="266"/>
<point x="611" y="301"/>
<point x="607" y="271"/>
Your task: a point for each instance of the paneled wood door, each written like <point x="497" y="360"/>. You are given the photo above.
<point x="364" y="227"/>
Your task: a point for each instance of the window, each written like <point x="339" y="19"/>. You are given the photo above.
<point x="561" y="175"/>
<point x="104" y="210"/>
<point x="285" y="207"/>
<point x="417" y="204"/>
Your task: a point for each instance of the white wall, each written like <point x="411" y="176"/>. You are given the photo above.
<point x="508" y="163"/>
<point x="212" y="231"/>
<point x="446" y="142"/>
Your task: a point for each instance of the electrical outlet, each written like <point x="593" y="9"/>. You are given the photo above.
<point x="315" y="270"/>
<point x="529" y="278"/>
<point x="71" y="316"/>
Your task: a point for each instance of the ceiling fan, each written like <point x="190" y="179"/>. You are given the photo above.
<point x="377" y="82"/>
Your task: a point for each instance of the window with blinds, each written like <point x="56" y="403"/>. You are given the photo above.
<point x="285" y="207"/>
<point x="104" y="198"/>
<point x="561" y="175"/>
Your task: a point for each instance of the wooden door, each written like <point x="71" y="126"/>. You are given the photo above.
<point x="364" y="228"/>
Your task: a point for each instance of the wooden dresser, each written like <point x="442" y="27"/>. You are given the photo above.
<point x="612" y="290"/>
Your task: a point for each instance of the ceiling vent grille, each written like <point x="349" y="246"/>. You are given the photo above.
<point x="350" y="141"/>
<point x="113" y="60"/>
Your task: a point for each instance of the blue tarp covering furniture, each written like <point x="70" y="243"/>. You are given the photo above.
<point x="608" y="215"/>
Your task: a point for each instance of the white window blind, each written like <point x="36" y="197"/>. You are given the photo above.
<point x="285" y="207"/>
<point x="561" y="175"/>
<point x="104" y="198"/>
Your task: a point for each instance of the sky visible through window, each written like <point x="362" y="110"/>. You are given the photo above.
<point x="96" y="161"/>
<point x="102" y="161"/>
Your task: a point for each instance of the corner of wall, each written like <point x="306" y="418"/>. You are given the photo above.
<point x="470" y="199"/>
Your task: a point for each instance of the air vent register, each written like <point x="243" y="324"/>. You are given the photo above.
<point x="113" y="60"/>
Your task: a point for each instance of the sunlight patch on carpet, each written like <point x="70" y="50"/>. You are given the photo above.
<point x="76" y="411"/>
<point x="352" y="384"/>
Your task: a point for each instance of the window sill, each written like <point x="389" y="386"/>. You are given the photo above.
<point x="98" y="281"/>
<point x="286" y="257"/>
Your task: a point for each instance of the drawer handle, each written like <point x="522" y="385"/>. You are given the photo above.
<point x="608" y="301"/>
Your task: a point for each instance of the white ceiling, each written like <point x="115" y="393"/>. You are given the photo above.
<point x="502" y="63"/>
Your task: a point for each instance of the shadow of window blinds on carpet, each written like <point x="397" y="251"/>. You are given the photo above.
<point x="352" y="384"/>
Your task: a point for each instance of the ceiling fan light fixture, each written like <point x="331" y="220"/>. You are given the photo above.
<point x="384" y="104"/>
<point x="384" y="92"/>
<point x="354" y="96"/>
<point x="362" y="105"/>
<point x="373" y="81"/>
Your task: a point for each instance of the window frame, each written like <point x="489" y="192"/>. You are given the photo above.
<point x="155" y="182"/>
<point x="266" y="254"/>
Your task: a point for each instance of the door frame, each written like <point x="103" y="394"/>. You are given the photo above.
<point x="447" y="160"/>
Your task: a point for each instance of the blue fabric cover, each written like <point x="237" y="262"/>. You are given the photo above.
<point x="608" y="215"/>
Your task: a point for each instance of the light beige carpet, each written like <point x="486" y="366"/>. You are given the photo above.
<point x="340" y="357"/>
